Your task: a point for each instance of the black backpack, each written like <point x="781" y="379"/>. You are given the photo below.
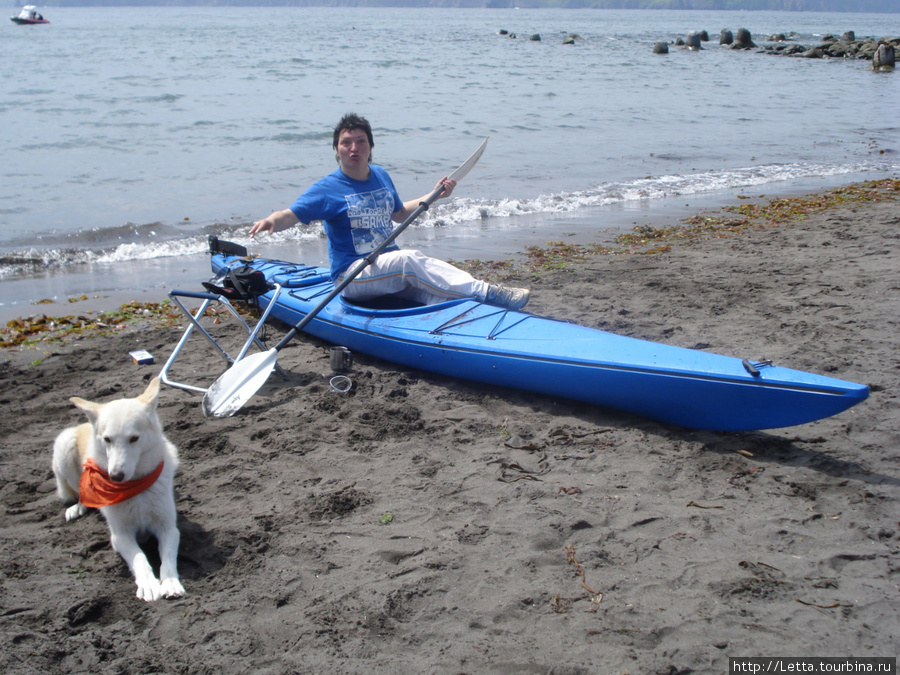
<point x="239" y="283"/>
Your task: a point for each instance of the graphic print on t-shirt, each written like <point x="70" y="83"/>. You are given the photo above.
<point x="370" y="218"/>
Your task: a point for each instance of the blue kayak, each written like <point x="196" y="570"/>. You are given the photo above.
<point x="475" y="341"/>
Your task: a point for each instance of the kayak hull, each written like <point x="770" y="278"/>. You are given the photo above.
<point x="475" y="341"/>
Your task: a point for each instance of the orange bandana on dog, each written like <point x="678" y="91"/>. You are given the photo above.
<point x="95" y="489"/>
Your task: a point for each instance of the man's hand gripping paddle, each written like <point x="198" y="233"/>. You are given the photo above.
<point x="238" y="384"/>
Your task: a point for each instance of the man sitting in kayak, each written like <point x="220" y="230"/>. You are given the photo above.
<point x="357" y="204"/>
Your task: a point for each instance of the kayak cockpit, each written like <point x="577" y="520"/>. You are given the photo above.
<point x="394" y="305"/>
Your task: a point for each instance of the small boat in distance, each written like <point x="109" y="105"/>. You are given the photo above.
<point x="29" y="16"/>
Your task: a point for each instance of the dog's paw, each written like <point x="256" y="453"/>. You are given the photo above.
<point x="149" y="590"/>
<point x="75" y="511"/>
<point x="172" y="588"/>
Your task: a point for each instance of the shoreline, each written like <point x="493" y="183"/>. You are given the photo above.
<point x="102" y="287"/>
<point x="428" y="524"/>
<point x="655" y="235"/>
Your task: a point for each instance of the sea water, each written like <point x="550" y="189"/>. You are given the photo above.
<point x="128" y="135"/>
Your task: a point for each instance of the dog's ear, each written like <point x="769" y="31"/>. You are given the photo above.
<point x="151" y="393"/>
<point x="89" y="407"/>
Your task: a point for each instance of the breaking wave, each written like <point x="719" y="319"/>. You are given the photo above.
<point x="128" y="243"/>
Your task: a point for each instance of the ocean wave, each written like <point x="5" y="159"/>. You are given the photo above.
<point x="638" y="190"/>
<point x="31" y="261"/>
<point x="654" y="188"/>
<point x="152" y="241"/>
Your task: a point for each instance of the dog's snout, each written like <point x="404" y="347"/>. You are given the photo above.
<point x="117" y="477"/>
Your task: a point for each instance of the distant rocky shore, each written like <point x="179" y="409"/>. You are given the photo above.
<point x="879" y="50"/>
<point x="847" y="46"/>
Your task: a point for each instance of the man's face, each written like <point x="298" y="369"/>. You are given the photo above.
<point x="353" y="149"/>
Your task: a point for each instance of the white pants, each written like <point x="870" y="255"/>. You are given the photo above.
<point x="412" y="275"/>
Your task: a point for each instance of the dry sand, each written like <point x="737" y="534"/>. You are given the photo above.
<point x="529" y="535"/>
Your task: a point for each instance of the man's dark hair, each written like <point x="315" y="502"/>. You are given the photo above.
<point x="352" y="122"/>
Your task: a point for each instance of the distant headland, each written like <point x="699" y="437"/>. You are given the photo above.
<point x="873" y="6"/>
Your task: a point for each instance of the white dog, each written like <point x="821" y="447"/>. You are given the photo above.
<point x="122" y="463"/>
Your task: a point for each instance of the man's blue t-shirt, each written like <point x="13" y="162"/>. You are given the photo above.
<point x="356" y="214"/>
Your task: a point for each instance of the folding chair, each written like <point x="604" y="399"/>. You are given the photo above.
<point x="194" y="322"/>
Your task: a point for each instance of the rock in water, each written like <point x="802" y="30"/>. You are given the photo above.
<point x="693" y="41"/>
<point x="743" y="40"/>
<point x="883" y="58"/>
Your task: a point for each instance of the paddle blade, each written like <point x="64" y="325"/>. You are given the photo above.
<point x="238" y="384"/>
<point x="466" y="166"/>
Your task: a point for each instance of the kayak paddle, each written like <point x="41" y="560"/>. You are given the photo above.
<point x="238" y="384"/>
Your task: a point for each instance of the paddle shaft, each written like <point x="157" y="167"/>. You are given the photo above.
<point x="300" y="325"/>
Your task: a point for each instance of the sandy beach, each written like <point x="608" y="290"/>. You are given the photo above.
<point x="424" y="524"/>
